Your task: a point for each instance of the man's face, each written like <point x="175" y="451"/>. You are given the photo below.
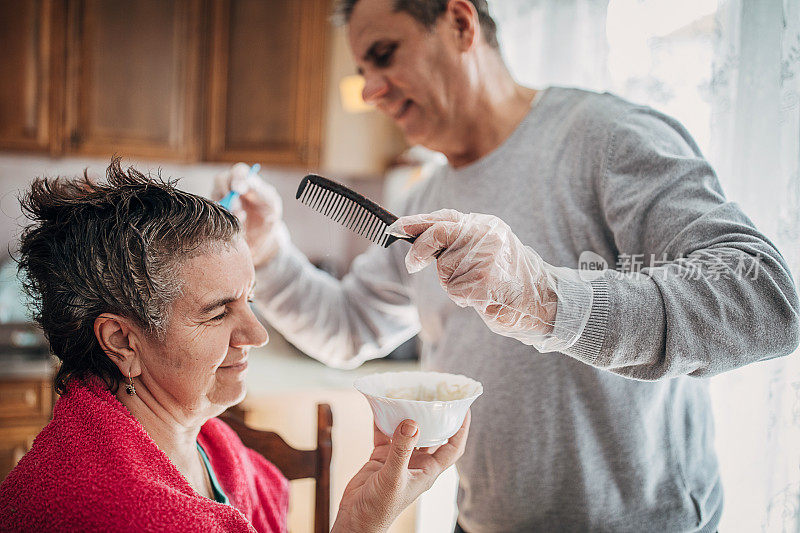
<point x="411" y="74"/>
<point x="201" y="364"/>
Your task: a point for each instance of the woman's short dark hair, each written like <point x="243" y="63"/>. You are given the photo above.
<point x="427" y="12"/>
<point x="109" y="247"/>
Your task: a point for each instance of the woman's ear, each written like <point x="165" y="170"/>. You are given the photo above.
<point x="464" y="20"/>
<point x="120" y="341"/>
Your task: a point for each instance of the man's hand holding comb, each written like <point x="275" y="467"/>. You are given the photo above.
<point x="482" y="264"/>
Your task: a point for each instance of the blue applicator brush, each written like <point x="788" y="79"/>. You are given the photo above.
<point x="233" y="194"/>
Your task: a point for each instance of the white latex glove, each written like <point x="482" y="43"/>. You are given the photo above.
<point x="259" y="208"/>
<point x="395" y="475"/>
<point x="483" y="265"/>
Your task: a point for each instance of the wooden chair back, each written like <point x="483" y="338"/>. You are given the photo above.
<point x="294" y="463"/>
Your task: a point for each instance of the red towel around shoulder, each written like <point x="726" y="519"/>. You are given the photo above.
<point x="95" y="468"/>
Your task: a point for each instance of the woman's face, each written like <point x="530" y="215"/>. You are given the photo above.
<point x="200" y="366"/>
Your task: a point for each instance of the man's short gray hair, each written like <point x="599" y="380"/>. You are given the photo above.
<point x="427" y="12"/>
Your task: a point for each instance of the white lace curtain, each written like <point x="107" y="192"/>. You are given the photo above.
<point x="730" y="71"/>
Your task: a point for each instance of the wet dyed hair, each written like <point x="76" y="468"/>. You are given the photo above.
<point x="427" y="12"/>
<point x="113" y="247"/>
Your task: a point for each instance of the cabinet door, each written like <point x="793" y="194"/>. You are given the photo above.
<point x="133" y="78"/>
<point x="25" y="400"/>
<point x="266" y="81"/>
<point x="15" y="441"/>
<point x="31" y="38"/>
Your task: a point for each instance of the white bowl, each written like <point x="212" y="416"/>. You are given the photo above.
<point x="438" y="419"/>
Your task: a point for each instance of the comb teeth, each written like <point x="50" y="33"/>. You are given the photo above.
<point x="346" y="207"/>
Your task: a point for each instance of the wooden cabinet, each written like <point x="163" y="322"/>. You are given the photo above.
<point x="266" y="88"/>
<point x="31" y="38"/>
<point x="25" y="407"/>
<point x="133" y="78"/>
<point x="214" y="80"/>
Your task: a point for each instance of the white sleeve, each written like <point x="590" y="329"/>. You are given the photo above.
<point x="341" y="323"/>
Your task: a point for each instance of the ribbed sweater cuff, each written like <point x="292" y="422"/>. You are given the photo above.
<point x="588" y="346"/>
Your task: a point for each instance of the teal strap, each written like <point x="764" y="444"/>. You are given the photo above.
<point x="219" y="494"/>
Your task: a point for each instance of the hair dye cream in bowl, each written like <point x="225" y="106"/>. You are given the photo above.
<point x="437" y="402"/>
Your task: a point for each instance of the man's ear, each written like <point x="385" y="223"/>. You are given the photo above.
<point x="463" y="19"/>
<point x="120" y="340"/>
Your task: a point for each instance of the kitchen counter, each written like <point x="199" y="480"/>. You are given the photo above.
<point x="17" y="367"/>
<point x="279" y="367"/>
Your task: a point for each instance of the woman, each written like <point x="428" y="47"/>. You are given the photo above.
<point x="142" y="291"/>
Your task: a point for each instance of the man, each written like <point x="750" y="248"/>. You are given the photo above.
<point x="592" y="383"/>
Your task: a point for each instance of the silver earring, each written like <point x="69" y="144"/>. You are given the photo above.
<point x="129" y="388"/>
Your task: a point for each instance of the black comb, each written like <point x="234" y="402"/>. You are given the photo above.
<point x="349" y="208"/>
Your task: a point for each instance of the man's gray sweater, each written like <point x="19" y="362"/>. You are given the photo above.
<point x="616" y="433"/>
